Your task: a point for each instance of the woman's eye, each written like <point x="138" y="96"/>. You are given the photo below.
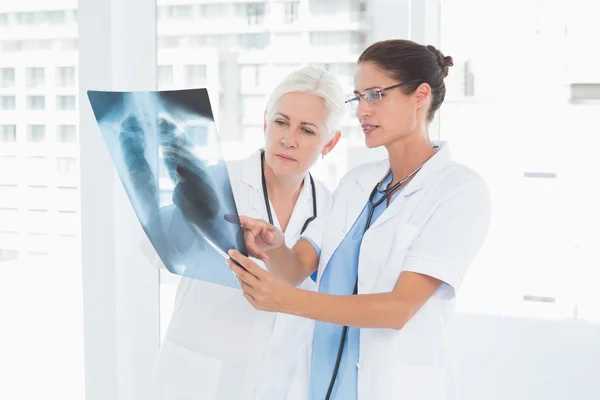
<point x="280" y="122"/>
<point x="308" y="131"/>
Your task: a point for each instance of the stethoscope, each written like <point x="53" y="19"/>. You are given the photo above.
<point x="266" y="195"/>
<point x="373" y="206"/>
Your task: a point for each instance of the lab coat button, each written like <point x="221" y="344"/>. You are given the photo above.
<point x="358" y="365"/>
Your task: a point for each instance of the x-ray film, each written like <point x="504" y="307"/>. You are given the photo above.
<point x="165" y="148"/>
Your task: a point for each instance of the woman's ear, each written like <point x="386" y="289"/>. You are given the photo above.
<point x="265" y="123"/>
<point x="331" y="144"/>
<point x="422" y="95"/>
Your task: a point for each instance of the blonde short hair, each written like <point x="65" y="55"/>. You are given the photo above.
<point x="311" y="79"/>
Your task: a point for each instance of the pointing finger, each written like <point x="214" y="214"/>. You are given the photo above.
<point x="253" y="247"/>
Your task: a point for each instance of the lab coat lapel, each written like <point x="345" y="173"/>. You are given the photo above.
<point x="358" y="200"/>
<point x="251" y="176"/>
<point x="431" y="167"/>
<point x="354" y="199"/>
<point x="391" y="210"/>
<point x="302" y="209"/>
<point x="366" y="182"/>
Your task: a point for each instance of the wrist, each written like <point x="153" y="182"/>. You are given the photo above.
<point x="274" y="250"/>
<point x="295" y="301"/>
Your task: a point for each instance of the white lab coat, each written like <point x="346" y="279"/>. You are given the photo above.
<point x="217" y="345"/>
<point x="435" y="226"/>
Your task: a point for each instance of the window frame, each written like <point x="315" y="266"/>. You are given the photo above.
<point x="117" y="51"/>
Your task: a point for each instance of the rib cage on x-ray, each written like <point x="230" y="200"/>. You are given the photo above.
<point x="146" y="132"/>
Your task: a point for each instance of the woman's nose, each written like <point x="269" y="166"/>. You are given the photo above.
<point x="363" y="108"/>
<point x="289" y="140"/>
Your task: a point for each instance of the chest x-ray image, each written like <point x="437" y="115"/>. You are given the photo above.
<point x="165" y="148"/>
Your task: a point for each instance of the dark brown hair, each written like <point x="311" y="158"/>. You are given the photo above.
<point x="407" y="61"/>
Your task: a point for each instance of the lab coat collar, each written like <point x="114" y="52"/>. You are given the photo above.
<point x="368" y="180"/>
<point x="437" y="162"/>
<point x="251" y="171"/>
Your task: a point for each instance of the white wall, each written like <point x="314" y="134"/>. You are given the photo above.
<point x="508" y="358"/>
<point x="583" y="63"/>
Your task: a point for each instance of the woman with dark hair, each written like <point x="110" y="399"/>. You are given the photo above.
<point x="394" y="250"/>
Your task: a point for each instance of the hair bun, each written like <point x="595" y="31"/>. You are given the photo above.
<point x="445" y="62"/>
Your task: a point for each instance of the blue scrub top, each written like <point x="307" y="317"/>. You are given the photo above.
<point x="339" y="278"/>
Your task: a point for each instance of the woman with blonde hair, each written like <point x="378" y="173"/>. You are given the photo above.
<point x="217" y="346"/>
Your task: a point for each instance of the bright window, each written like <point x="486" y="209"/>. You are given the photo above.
<point x="41" y="334"/>
<point x="35" y="76"/>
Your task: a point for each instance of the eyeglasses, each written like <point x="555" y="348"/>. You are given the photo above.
<point x="372" y="95"/>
